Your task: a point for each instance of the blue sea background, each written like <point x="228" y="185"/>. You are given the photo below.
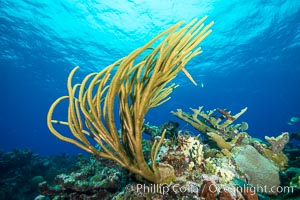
<point x="252" y="58"/>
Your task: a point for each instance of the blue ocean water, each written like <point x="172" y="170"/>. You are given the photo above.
<point x="252" y="58"/>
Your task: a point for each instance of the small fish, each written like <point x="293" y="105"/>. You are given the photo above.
<point x="202" y="84"/>
<point x="294" y="119"/>
<point x="290" y="123"/>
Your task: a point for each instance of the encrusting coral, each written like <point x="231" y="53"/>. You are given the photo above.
<point x="137" y="84"/>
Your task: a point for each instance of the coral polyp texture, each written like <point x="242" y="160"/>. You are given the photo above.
<point x="132" y="85"/>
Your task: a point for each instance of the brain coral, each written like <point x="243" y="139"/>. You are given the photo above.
<point x="261" y="173"/>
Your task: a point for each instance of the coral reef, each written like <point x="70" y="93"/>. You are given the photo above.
<point x="222" y="144"/>
<point x="249" y="154"/>
<point x="208" y="191"/>
<point x="280" y="159"/>
<point x="172" y="130"/>
<point x="21" y="171"/>
<point x="191" y="147"/>
<point x="201" y="171"/>
<point x="210" y="121"/>
<point x="99" y="180"/>
<point x="248" y="160"/>
<point x="222" y="162"/>
<point x="140" y="82"/>
<point x="93" y="181"/>
<point x="278" y="143"/>
<point x="217" y="124"/>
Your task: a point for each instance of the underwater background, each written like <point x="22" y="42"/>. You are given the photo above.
<point x="251" y="59"/>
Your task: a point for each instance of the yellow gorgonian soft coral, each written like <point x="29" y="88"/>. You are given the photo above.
<point x="130" y="86"/>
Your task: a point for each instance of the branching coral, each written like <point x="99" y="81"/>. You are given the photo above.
<point x="206" y="121"/>
<point x="137" y="84"/>
<point x="214" y="125"/>
<point x="274" y="151"/>
<point x="222" y="144"/>
<point x="278" y="143"/>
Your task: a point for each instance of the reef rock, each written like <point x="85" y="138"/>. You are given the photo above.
<point x="260" y="172"/>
